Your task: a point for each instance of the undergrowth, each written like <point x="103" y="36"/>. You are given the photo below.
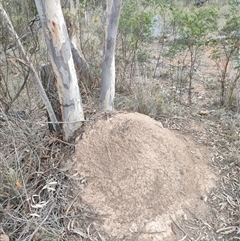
<point x="39" y="199"/>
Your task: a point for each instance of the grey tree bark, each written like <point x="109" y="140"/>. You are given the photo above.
<point x="36" y="78"/>
<point x="73" y="30"/>
<point x="107" y="92"/>
<point x="107" y="7"/>
<point x="59" y="47"/>
<point x="49" y="84"/>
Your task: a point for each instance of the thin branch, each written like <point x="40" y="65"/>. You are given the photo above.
<point x="32" y="69"/>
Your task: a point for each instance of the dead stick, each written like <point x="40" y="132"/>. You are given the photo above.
<point x="180" y="227"/>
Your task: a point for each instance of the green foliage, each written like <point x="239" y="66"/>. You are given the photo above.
<point x="225" y="53"/>
<point x="91" y="3"/>
<point x="192" y="28"/>
<point x="232" y="18"/>
<point x="229" y="34"/>
<point x="237" y="67"/>
<point x="68" y="16"/>
<point x="135" y="24"/>
<point x="194" y="25"/>
<point x="134" y="29"/>
<point x="142" y="56"/>
<point x="20" y="12"/>
<point x="156" y="4"/>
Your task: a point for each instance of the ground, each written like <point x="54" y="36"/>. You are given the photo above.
<point x="126" y="177"/>
<point x="143" y="179"/>
<point x="180" y="182"/>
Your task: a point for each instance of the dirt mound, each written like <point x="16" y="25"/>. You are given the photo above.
<point x="141" y="176"/>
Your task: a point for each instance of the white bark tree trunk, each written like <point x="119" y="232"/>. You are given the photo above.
<point x="36" y="78"/>
<point x="108" y="70"/>
<point x="59" y="47"/>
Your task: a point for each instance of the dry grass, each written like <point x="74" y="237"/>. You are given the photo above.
<point x="37" y="200"/>
<point x="210" y="124"/>
<point x="221" y="134"/>
<point x="37" y="189"/>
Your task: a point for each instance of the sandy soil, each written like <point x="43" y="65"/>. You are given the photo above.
<point x="143" y="179"/>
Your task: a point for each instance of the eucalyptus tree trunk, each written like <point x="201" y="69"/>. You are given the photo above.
<point x="107" y="7"/>
<point x="72" y="21"/>
<point x="6" y="21"/>
<point x="59" y="48"/>
<point x="107" y="93"/>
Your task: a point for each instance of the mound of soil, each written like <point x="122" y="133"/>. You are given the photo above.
<point x="141" y="177"/>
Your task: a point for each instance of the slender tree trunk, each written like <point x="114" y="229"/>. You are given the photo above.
<point x="59" y="48"/>
<point x="73" y="31"/>
<point x="108" y="70"/>
<point x="36" y="78"/>
<point x="49" y="84"/>
<point x="107" y="7"/>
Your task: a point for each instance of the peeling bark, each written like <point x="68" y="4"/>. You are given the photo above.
<point x="59" y="48"/>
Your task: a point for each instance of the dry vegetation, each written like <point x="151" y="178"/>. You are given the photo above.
<point x="36" y="184"/>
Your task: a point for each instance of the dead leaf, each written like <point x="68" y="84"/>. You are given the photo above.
<point x="66" y="167"/>
<point x="51" y="141"/>
<point x="39" y="205"/>
<point x="50" y="186"/>
<point x="19" y="185"/>
<point x="227" y="230"/>
<point x="173" y="228"/>
<point x="4" y="237"/>
<point x="204" y="112"/>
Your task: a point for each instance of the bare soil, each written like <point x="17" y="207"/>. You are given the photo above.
<point x="143" y="179"/>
